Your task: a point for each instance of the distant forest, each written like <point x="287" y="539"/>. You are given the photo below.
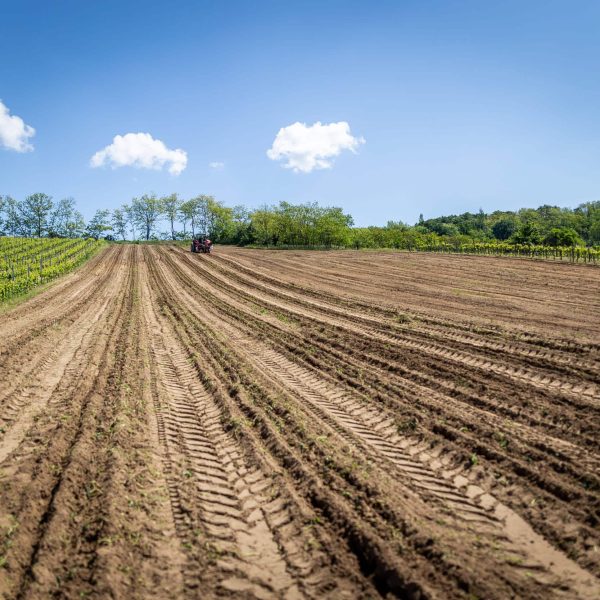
<point x="150" y="217"/>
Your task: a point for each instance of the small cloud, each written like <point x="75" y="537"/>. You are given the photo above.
<point x="305" y="148"/>
<point x="216" y="165"/>
<point x="14" y="133"/>
<point x="142" y="151"/>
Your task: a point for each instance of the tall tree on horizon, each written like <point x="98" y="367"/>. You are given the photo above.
<point x="2" y="220"/>
<point x="65" y="220"/>
<point x="187" y="212"/>
<point x="170" y="208"/>
<point x="146" y="212"/>
<point x="99" y="224"/>
<point x="119" y="221"/>
<point x="35" y="212"/>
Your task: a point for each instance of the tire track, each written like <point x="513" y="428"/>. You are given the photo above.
<point x="25" y="396"/>
<point x="349" y="322"/>
<point x="177" y="428"/>
<point x="340" y="408"/>
<point x="55" y="474"/>
<point x="408" y="375"/>
<point x="553" y="490"/>
<point x="384" y="318"/>
<point x="233" y="497"/>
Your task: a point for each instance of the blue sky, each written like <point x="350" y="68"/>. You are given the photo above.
<point x="461" y="105"/>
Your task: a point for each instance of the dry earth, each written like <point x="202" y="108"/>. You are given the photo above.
<point x="263" y="424"/>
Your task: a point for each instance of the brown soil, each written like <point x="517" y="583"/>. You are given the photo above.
<point x="264" y="424"/>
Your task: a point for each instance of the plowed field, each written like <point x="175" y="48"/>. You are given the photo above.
<point x="263" y="424"/>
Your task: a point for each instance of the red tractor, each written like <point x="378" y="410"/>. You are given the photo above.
<point x="203" y="246"/>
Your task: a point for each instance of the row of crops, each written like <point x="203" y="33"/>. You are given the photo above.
<point x="575" y="254"/>
<point x="571" y="254"/>
<point x="28" y="262"/>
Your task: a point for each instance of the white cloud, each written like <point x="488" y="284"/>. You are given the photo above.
<point x="216" y="165"/>
<point x="142" y="151"/>
<point x="14" y="133"/>
<point x="312" y="147"/>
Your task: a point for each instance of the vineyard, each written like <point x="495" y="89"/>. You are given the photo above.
<point x="28" y="262"/>
<point x="570" y="254"/>
<point x="258" y="424"/>
<point x="553" y="253"/>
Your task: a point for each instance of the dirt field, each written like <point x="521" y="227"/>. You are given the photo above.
<point x="264" y="424"/>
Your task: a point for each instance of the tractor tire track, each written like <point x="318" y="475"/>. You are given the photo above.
<point x="354" y="323"/>
<point x="564" y="492"/>
<point x="23" y="398"/>
<point x="477" y="504"/>
<point x="255" y="424"/>
<point x="231" y="495"/>
<point x="381" y="318"/>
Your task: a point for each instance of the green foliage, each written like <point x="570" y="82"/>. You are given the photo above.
<point x="28" y="262"/>
<point x="525" y="226"/>
<point x="562" y="237"/>
<point x="298" y="225"/>
<point x="119" y="222"/>
<point x="547" y="231"/>
<point x="170" y="207"/>
<point x="145" y="213"/>
<point x="38" y="216"/>
<point x="66" y="221"/>
<point x="527" y="233"/>
<point x="35" y="213"/>
<point x="504" y="228"/>
<point x="99" y="224"/>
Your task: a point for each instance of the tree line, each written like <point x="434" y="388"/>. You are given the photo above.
<point x="146" y="217"/>
<point x="150" y="217"/>
<point x="548" y="225"/>
<point x="38" y="215"/>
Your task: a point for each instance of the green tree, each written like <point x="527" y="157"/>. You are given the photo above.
<point x="263" y="224"/>
<point x="170" y="208"/>
<point x="527" y="233"/>
<point x="2" y="219"/>
<point x="146" y="212"/>
<point x="594" y="233"/>
<point x="504" y="228"/>
<point x="563" y="237"/>
<point x="203" y="213"/>
<point x="130" y="217"/>
<point x="188" y="214"/>
<point x="99" y="224"/>
<point x="75" y="227"/>
<point x="119" y="222"/>
<point x="332" y="227"/>
<point x="65" y="220"/>
<point x="12" y="217"/>
<point x="34" y="213"/>
<point x="220" y="222"/>
<point x="242" y="230"/>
